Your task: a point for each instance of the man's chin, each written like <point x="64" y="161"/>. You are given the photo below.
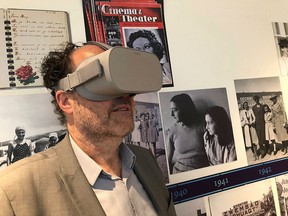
<point x="129" y="130"/>
<point x="124" y="129"/>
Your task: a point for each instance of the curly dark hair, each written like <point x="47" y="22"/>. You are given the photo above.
<point x="158" y="48"/>
<point x="55" y="66"/>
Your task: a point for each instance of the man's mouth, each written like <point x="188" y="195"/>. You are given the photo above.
<point x="122" y="109"/>
<point x="121" y="104"/>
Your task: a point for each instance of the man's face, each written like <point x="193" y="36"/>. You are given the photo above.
<point x="102" y="119"/>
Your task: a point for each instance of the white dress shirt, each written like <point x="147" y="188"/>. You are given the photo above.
<point x="118" y="196"/>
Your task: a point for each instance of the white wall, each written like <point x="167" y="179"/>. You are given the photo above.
<point x="211" y="43"/>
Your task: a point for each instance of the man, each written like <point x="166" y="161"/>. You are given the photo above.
<point x="258" y="110"/>
<point x="90" y="172"/>
<point x="280" y="122"/>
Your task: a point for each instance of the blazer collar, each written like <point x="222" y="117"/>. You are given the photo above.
<point x="80" y="190"/>
<point x="75" y="181"/>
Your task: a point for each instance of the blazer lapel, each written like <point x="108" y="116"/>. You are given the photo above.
<point x="75" y="182"/>
<point x="151" y="179"/>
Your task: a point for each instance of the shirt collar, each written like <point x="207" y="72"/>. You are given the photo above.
<point x="92" y="170"/>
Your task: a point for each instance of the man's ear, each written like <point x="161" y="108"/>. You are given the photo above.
<point x="64" y="102"/>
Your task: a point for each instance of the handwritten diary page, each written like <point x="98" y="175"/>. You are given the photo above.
<point x="4" y="77"/>
<point x="34" y="33"/>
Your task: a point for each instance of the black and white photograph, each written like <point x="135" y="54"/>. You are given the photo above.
<point x="249" y="200"/>
<point x="280" y="30"/>
<point x="198" y="129"/>
<point x="282" y="192"/>
<point x="195" y="207"/>
<point x="150" y="40"/>
<point x="29" y="126"/>
<point x="112" y="30"/>
<point x="148" y="132"/>
<point x="263" y="118"/>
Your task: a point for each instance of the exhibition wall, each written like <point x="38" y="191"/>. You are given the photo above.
<point x="222" y="53"/>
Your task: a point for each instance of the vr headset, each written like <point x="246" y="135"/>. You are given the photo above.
<point x="116" y="72"/>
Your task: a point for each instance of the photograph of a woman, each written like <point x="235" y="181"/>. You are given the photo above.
<point x="198" y="129"/>
<point x="185" y="136"/>
<point x="20" y="147"/>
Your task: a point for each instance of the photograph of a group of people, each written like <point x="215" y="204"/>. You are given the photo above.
<point x="252" y="199"/>
<point x="29" y="126"/>
<point x="263" y="118"/>
<point x="198" y="130"/>
<point x="280" y="30"/>
<point x="148" y="132"/>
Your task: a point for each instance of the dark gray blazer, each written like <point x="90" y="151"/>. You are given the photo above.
<point x="53" y="183"/>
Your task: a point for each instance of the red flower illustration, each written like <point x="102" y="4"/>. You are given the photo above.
<point x="25" y="74"/>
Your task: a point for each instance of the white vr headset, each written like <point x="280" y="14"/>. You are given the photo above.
<point x="116" y="72"/>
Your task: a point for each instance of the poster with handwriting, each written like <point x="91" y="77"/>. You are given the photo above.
<point x="28" y="36"/>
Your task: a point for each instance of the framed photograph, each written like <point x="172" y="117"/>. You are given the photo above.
<point x="263" y="118"/>
<point x="198" y="130"/>
<point x="29" y="125"/>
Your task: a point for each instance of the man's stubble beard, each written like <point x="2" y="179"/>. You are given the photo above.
<point x="93" y="127"/>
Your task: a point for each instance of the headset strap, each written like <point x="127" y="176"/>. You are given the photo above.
<point x="78" y="77"/>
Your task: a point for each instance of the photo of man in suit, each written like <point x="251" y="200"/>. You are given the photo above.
<point x="90" y="171"/>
